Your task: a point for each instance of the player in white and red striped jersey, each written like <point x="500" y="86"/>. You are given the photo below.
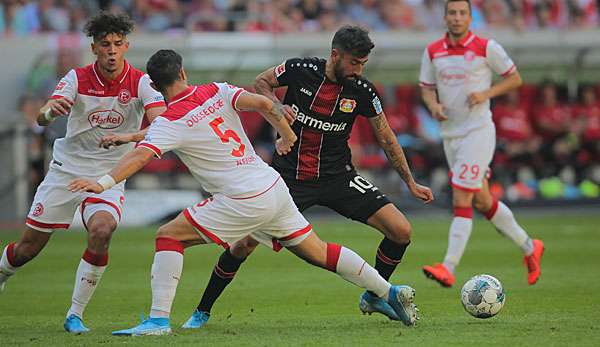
<point x="456" y="81"/>
<point x="249" y="198"/>
<point x="107" y="97"/>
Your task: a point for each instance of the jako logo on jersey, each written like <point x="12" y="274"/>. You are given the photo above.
<point x="108" y="119"/>
<point x="315" y="123"/>
<point x="124" y="96"/>
<point x="196" y="117"/>
<point x="453" y="76"/>
<point x="38" y="210"/>
<point x="347" y="105"/>
<point x="280" y="69"/>
<point x="305" y="91"/>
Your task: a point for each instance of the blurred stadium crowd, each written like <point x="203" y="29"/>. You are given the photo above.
<point x="28" y="17"/>
<point x="548" y="142"/>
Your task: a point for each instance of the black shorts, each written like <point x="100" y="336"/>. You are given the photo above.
<point x="350" y="195"/>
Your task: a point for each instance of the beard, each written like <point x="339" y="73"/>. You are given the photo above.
<point x="339" y="75"/>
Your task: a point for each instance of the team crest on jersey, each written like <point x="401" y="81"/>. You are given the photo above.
<point x="347" y="105"/>
<point x="124" y="96"/>
<point x="280" y="69"/>
<point x="38" y="210"/>
<point x="469" y="55"/>
<point x="107" y="119"/>
<point x="377" y="105"/>
<point x="60" y="86"/>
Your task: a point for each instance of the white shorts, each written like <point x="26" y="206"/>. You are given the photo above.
<point x="469" y="157"/>
<point x="271" y="218"/>
<point x="54" y="206"/>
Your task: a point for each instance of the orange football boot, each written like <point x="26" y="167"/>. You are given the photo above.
<point x="533" y="262"/>
<point x="439" y="273"/>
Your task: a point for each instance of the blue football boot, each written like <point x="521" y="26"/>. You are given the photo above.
<point x="74" y="325"/>
<point x="197" y="320"/>
<point x="401" y="298"/>
<point x="370" y="303"/>
<point x="150" y="326"/>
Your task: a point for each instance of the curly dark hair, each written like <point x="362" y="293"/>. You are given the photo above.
<point x="106" y="23"/>
<point x="354" y="40"/>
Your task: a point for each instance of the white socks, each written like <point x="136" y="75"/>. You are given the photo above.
<point x="504" y="220"/>
<point x="351" y="267"/>
<point x="460" y="231"/>
<point x="87" y="279"/>
<point x="166" y="272"/>
<point x="6" y="269"/>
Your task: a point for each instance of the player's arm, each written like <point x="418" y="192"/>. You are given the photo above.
<point x="265" y="84"/>
<point x="508" y="83"/>
<point x="131" y="163"/>
<point x="274" y="113"/>
<point x="387" y="140"/>
<point x="120" y="139"/>
<point x="430" y="98"/>
<point x="53" y="108"/>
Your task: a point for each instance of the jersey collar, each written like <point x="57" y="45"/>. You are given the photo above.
<point x="184" y="94"/>
<point x="105" y="82"/>
<point x="462" y="43"/>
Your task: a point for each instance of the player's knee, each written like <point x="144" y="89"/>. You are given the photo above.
<point x="101" y="230"/>
<point x="401" y="232"/>
<point x="243" y="248"/>
<point x="166" y="230"/>
<point x="482" y="205"/>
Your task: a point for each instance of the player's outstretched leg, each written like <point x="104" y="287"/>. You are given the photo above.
<point x="100" y="227"/>
<point x="503" y="219"/>
<point x="223" y="273"/>
<point x="351" y="267"/>
<point x="171" y="240"/>
<point x="397" y="230"/>
<point x="17" y="254"/>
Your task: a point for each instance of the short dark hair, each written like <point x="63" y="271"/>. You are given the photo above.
<point x="449" y="1"/>
<point x="163" y="68"/>
<point x="106" y="23"/>
<point x="354" y="40"/>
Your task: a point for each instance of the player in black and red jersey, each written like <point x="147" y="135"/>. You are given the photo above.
<point x="323" y="99"/>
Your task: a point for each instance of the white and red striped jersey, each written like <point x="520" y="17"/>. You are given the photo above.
<point x="456" y="70"/>
<point x="100" y="107"/>
<point x="202" y="127"/>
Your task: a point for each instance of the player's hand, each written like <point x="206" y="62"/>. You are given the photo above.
<point x="476" y="98"/>
<point x="85" y="185"/>
<point x="283" y="146"/>
<point x="421" y="192"/>
<point x="288" y="113"/>
<point x="439" y="113"/>
<point x="115" y="140"/>
<point x="60" y="107"/>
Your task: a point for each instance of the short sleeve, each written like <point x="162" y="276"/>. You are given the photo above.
<point x="427" y="74"/>
<point x="162" y="137"/>
<point x="230" y="94"/>
<point x="150" y="97"/>
<point x="288" y="71"/>
<point x="66" y="87"/>
<point x="370" y="103"/>
<point x="498" y="59"/>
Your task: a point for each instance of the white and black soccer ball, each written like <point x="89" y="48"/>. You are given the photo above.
<point x="482" y="296"/>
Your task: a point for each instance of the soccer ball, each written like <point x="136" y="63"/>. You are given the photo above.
<point x="482" y="296"/>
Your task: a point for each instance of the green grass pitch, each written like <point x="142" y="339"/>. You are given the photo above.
<point x="277" y="299"/>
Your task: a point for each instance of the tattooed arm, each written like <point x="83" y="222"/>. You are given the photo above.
<point x="387" y="140"/>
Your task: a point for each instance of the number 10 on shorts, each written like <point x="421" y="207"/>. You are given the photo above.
<point x="361" y="184"/>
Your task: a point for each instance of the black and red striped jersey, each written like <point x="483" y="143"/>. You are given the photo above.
<point x="325" y="112"/>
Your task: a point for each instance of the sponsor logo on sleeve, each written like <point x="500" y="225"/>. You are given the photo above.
<point x="60" y="86"/>
<point x="377" y="105"/>
<point x="347" y="105"/>
<point x="280" y="69"/>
